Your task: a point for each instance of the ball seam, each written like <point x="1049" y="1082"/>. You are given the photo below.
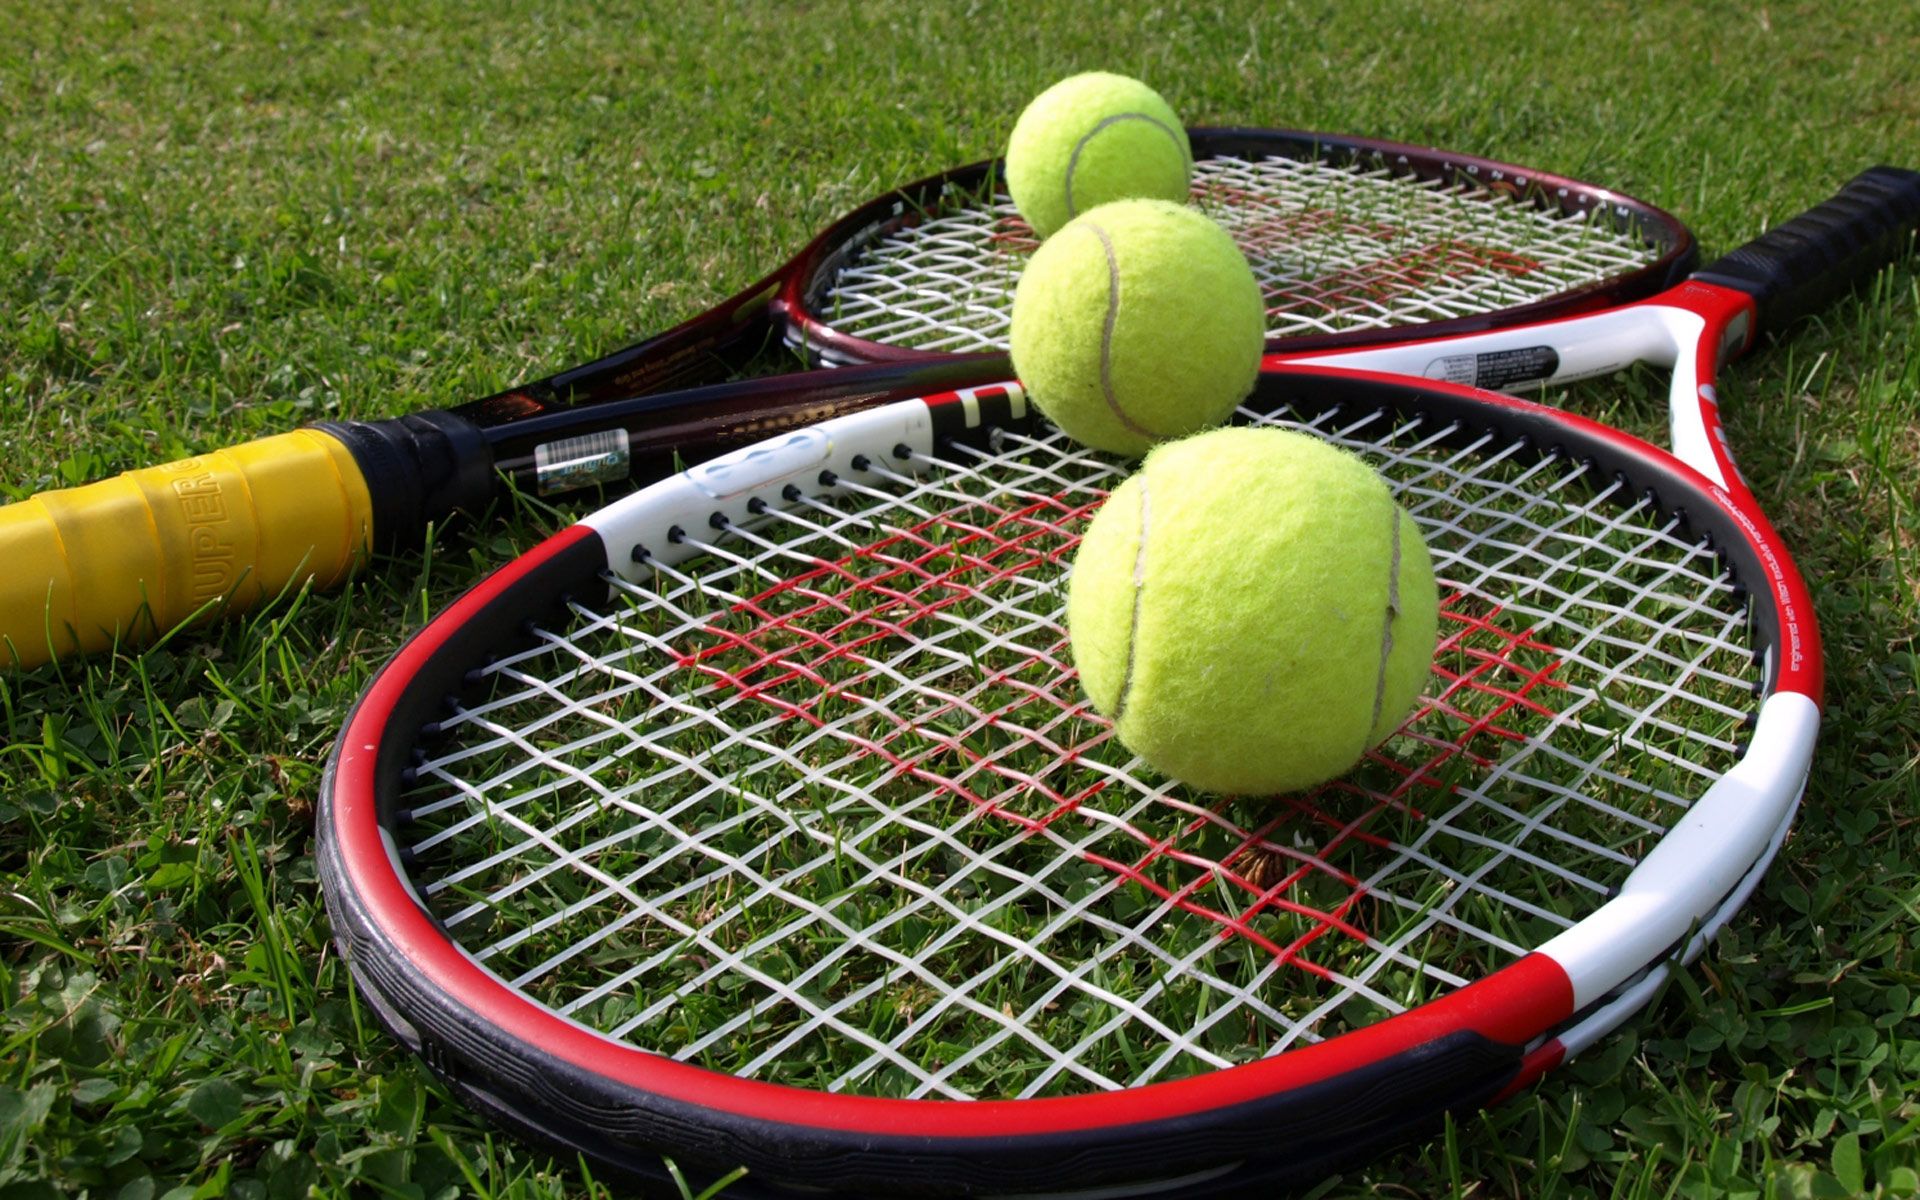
<point x="1386" y="631"/>
<point x="1073" y="160"/>
<point x="1106" y="335"/>
<point x="1133" y="623"/>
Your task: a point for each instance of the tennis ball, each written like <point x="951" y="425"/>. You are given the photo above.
<point x="1139" y="321"/>
<point x="1252" y="610"/>
<point x="1093" y="138"/>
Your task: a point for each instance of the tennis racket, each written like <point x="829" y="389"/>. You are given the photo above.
<point x="1355" y="241"/>
<point x="758" y="819"/>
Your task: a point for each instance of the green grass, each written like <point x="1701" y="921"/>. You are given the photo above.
<point x="223" y="220"/>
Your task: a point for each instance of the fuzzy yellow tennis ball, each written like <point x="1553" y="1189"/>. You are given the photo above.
<point x="1253" y="611"/>
<point x="1138" y="322"/>
<point x="1090" y="139"/>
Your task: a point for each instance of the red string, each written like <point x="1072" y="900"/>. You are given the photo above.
<point x="817" y="646"/>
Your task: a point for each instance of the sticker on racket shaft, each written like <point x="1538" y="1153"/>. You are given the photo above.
<point x="758" y="819"/>
<point x="1355" y="241"/>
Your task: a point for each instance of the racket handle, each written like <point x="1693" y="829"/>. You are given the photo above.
<point x="1823" y="253"/>
<point x="133" y="556"/>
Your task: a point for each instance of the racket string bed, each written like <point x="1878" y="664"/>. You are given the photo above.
<point x="1336" y="246"/>
<point x="823" y="803"/>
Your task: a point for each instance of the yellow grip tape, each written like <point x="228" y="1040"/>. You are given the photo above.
<point x="133" y="556"/>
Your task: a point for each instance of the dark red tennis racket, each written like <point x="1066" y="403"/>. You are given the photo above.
<point x="1355" y="241"/>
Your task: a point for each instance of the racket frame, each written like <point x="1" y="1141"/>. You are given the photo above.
<point x="1471" y="1046"/>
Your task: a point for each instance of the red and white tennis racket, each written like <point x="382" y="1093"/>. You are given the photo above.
<point x="1356" y="241"/>
<point x="759" y="819"/>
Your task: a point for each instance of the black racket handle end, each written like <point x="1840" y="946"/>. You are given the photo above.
<point x="1827" y="251"/>
<point x="421" y="470"/>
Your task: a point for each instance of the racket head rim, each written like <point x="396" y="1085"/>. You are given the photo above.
<point x="1531" y="1050"/>
<point x="804" y="275"/>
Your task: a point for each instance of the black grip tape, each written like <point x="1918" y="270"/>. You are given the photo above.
<point x="1825" y="252"/>
<point x="420" y="470"/>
